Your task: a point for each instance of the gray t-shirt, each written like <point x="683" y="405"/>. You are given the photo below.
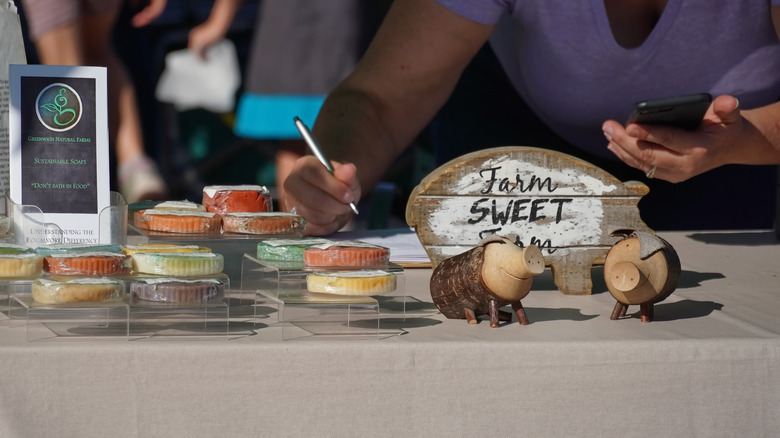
<point x="562" y="58"/>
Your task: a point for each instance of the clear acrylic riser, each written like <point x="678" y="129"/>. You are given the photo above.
<point x="126" y="318"/>
<point x="232" y="246"/>
<point x="30" y="226"/>
<point x="280" y="288"/>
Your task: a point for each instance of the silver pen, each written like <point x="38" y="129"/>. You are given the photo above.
<point x="316" y="150"/>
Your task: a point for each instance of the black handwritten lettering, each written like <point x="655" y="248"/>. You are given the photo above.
<point x="516" y="210"/>
<point x="501" y="217"/>
<point x="506" y="185"/>
<point x="475" y="210"/>
<point x="519" y="206"/>
<point x="536" y="183"/>
<point x="543" y="245"/>
<point x="492" y="179"/>
<point x="560" y="202"/>
<point x="485" y="233"/>
<point x="535" y="209"/>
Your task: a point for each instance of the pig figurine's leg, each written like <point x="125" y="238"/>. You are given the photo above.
<point x="522" y="319"/>
<point x="471" y="318"/>
<point x="646" y="312"/>
<point x="619" y="311"/>
<point x="493" y="312"/>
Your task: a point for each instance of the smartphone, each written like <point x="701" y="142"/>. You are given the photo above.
<point x="685" y="112"/>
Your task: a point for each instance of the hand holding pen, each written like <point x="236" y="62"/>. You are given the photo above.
<point x="317" y="150"/>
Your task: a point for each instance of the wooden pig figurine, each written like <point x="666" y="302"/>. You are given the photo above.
<point x="641" y="269"/>
<point x="485" y="278"/>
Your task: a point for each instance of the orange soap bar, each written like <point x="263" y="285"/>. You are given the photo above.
<point x="236" y="199"/>
<point x="346" y="253"/>
<point x="178" y="221"/>
<point x="263" y="223"/>
<point x="88" y="263"/>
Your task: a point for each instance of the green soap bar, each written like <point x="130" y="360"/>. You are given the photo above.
<point x="285" y="250"/>
<point x="14" y="249"/>
<point x="71" y="248"/>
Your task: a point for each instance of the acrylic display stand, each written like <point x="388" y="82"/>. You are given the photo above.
<point x="126" y="318"/>
<point x="62" y="321"/>
<point x="300" y="313"/>
<point x="28" y="223"/>
<point x="153" y="320"/>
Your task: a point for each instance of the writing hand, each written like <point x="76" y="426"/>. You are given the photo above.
<point x="675" y="154"/>
<point x="321" y="198"/>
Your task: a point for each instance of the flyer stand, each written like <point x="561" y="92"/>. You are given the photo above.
<point x="126" y="318"/>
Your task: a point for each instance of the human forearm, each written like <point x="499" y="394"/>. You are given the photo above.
<point x="398" y="86"/>
<point x="215" y="27"/>
<point x="352" y="127"/>
<point x="761" y="137"/>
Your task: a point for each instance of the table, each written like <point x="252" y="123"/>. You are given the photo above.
<point x="708" y="365"/>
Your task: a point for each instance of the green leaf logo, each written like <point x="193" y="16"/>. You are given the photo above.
<point x="58" y="107"/>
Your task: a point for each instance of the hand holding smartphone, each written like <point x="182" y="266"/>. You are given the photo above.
<point x="686" y="112"/>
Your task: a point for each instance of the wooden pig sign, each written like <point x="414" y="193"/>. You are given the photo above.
<point x="563" y="205"/>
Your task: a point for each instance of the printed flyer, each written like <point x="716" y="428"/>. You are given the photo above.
<point x="59" y="157"/>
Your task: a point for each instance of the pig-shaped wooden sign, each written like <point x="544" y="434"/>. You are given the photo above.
<point x="567" y="207"/>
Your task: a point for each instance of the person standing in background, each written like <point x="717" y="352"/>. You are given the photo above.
<point x="78" y="32"/>
<point x="300" y="50"/>
<point x="564" y="76"/>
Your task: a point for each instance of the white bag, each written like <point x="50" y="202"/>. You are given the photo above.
<point x="190" y="82"/>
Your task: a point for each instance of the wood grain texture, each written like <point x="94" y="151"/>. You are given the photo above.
<point x="635" y="276"/>
<point x="567" y="207"/>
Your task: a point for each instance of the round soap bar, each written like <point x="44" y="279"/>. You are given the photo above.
<point x="87" y="263"/>
<point x="286" y="250"/>
<point x="361" y="282"/>
<point x="263" y="223"/>
<point x="179" y="205"/>
<point x="346" y="253"/>
<point x="58" y="290"/>
<point x="22" y="265"/>
<point x="163" y="247"/>
<point x="69" y="248"/>
<point x="177" y="290"/>
<point x="177" y="221"/>
<point x="237" y="199"/>
<point x="178" y="264"/>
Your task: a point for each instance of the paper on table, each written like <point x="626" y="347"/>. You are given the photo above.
<point x="405" y="248"/>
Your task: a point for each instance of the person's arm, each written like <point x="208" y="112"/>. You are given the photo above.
<point x="152" y="10"/>
<point x="406" y="75"/>
<point x="215" y="27"/>
<point x="727" y="136"/>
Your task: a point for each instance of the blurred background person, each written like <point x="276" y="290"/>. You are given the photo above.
<point x="79" y="32"/>
<point x="300" y="50"/>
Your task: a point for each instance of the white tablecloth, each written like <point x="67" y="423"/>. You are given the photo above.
<point x="708" y="365"/>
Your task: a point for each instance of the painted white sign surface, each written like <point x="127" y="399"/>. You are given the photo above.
<point x="565" y="206"/>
